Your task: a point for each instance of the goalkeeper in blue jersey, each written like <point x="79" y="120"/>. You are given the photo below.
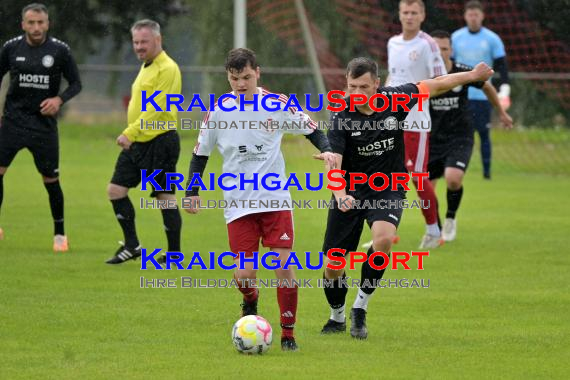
<point x="473" y="44"/>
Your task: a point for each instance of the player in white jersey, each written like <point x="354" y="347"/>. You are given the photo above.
<point x="255" y="151"/>
<point x="414" y="56"/>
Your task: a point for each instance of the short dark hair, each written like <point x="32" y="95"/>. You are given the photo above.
<point x="239" y="58"/>
<point x="360" y="66"/>
<point x="440" y="34"/>
<point x="474" y="4"/>
<point x="36" y="7"/>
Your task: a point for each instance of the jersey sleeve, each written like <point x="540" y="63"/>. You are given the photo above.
<point x="207" y="137"/>
<point x="407" y="89"/>
<point x="388" y="53"/>
<point x="435" y="62"/>
<point x="4" y="61"/>
<point x="297" y="121"/>
<point x="497" y="46"/>
<point x="71" y="74"/>
<point x="163" y="83"/>
<point x="336" y="135"/>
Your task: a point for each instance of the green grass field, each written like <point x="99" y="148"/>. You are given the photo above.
<point x="497" y="305"/>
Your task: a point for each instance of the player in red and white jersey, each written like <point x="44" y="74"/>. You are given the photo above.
<point x="414" y="56"/>
<point x="253" y="148"/>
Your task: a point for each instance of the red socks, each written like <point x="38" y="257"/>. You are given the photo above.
<point x="287" y="299"/>
<point x="428" y="195"/>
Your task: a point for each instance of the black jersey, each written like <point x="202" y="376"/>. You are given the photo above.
<point x="450" y="117"/>
<point x="35" y="75"/>
<point x="371" y="143"/>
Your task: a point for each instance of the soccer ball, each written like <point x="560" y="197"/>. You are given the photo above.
<point x="252" y="334"/>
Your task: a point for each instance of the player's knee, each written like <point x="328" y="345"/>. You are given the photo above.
<point x="454" y="179"/>
<point x="116" y="192"/>
<point x="382" y="243"/>
<point x="331" y="274"/>
<point x="454" y="184"/>
<point x="3" y="170"/>
<point x="285" y="273"/>
<point x="246" y="273"/>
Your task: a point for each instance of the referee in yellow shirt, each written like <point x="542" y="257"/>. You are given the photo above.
<point x="148" y="149"/>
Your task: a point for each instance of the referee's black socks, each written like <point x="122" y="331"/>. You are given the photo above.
<point x="172" y="227"/>
<point x="56" y="204"/>
<point x="453" y="201"/>
<point x="125" y="213"/>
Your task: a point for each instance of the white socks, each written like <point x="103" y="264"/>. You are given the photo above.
<point x="433" y="229"/>
<point x="337" y="315"/>
<point x="361" y="301"/>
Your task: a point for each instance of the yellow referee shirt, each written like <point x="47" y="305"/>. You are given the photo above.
<point x="163" y="75"/>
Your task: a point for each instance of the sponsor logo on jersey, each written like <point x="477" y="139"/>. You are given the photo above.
<point x="356" y="133"/>
<point x="445" y="104"/>
<point x="20" y="59"/>
<point x="376" y="148"/>
<point x="34" y="81"/>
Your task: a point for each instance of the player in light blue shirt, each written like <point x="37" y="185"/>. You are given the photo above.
<point x="472" y="44"/>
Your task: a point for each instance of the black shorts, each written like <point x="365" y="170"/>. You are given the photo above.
<point x="454" y="154"/>
<point x="344" y="228"/>
<point x="44" y="147"/>
<point x="162" y="152"/>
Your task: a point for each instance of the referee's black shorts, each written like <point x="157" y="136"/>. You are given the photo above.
<point x="162" y="152"/>
<point x="44" y="146"/>
<point x="455" y="153"/>
<point x="344" y="228"/>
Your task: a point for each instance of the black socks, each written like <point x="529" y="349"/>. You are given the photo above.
<point x="56" y="204"/>
<point x="125" y="213"/>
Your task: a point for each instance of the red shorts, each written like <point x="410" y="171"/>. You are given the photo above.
<point x="416" y="151"/>
<point x="275" y="228"/>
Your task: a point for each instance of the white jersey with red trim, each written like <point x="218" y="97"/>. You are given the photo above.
<point x="250" y="143"/>
<point x="411" y="61"/>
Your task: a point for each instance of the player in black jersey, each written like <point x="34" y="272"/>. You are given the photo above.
<point x="451" y="140"/>
<point x="36" y="62"/>
<point x="365" y="150"/>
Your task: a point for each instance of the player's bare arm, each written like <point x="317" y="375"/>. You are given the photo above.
<point x="345" y="201"/>
<point x="493" y="98"/>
